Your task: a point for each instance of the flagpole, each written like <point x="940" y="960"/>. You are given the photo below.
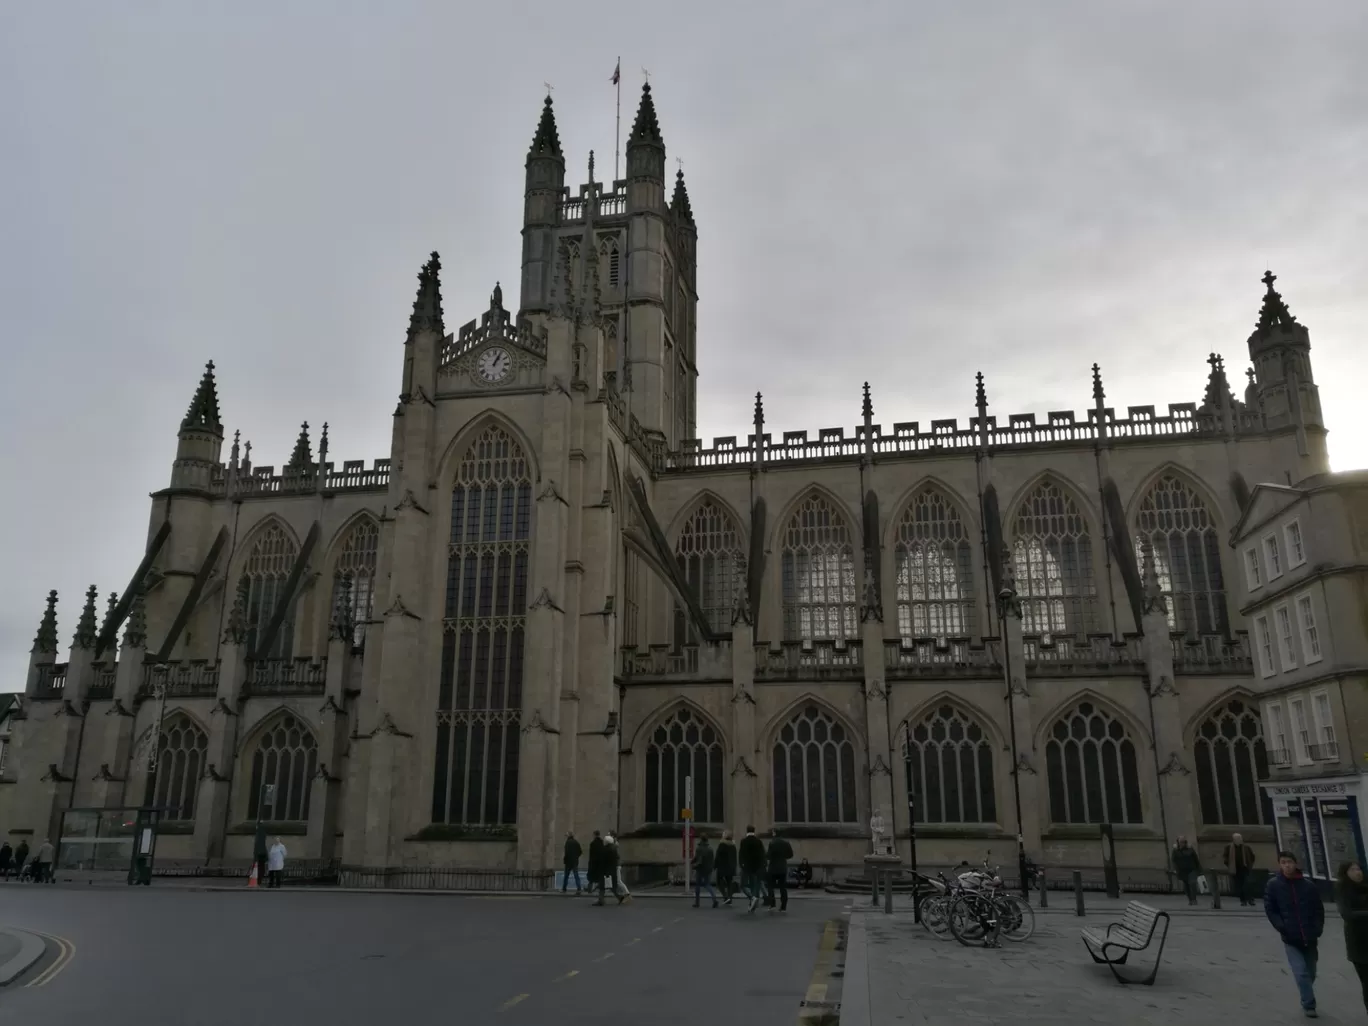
<point x="617" y="130"/>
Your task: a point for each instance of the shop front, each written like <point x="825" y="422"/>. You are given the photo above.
<point x="1318" y="821"/>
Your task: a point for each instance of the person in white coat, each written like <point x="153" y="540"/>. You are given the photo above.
<point x="275" y="862"/>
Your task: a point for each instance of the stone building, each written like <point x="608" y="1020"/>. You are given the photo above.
<point x="551" y="604"/>
<point x="1303" y="557"/>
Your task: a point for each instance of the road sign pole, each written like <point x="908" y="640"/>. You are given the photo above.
<point x="687" y="813"/>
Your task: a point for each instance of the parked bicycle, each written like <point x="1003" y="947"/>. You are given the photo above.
<point x="974" y="908"/>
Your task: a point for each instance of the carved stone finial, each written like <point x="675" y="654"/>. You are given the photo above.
<point x="980" y="393"/>
<point x="1099" y="394"/>
<point x="203" y="414"/>
<point x="867" y="407"/>
<point x="323" y="445"/>
<point x="1155" y="600"/>
<point x="109" y="612"/>
<point x="759" y="410"/>
<point x="235" y="630"/>
<point x="135" y="631"/>
<point x="46" y="639"/>
<point x="1274" y="312"/>
<point x="236" y="451"/>
<point x="741" y="610"/>
<point x="591" y="167"/>
<point x="496" y="297"/>
<point x="86" y="632"/>
<point x="343" y="624"/>
<point x="872" y="610"/>
<point x="1009" y="601"/>
<point x="303" y="452"/>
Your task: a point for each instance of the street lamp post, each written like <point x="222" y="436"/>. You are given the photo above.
<point x="1010" y="604"/>
<point x="911" y="824"/>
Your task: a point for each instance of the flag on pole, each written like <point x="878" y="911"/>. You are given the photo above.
<point x="617" y="74"/>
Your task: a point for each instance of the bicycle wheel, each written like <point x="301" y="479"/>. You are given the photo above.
<point x="935" y="916"/>
<point x="973" y="920"/>
<point x="1017" y="917"/>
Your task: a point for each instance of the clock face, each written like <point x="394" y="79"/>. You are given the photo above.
<point x="494" y="364"/>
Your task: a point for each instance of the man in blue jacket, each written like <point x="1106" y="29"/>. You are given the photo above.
<point x="1293" y="906"/>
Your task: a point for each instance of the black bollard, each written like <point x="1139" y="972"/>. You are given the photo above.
<point x="1044" y="891"/>
<point x="1078" y="892"/>
<point x="1214" y="881"/>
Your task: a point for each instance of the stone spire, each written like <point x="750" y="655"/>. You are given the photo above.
<point x="679" y="202"/>
<point x="86" y="632"/>
<point x="1218" y="393"/>
<point x="302" y="457"/>
<point x="867" y="406"/>
<point x="135" y="631"/>
<point x="1099" y="394"/>
<point x="342" y="626"/>
<point x="235" y="630"/>
<point x="1153" y="592"/>
<point x="203" y="414"/>
<point x="546" y="143"/>
<point x="588" y="306"/>
<point x="646" y="128"/>
<point x="980" y="394"/>
<point x="46" y="640"/>
<point x="109" y="612"/>
<point x="1274" y="312"/>
<point x="427" y="306"/>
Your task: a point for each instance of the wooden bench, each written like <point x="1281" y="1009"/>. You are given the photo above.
<point x="1135" y="932"/>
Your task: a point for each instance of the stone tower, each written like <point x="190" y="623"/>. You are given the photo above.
<point x="1282" y="384"/>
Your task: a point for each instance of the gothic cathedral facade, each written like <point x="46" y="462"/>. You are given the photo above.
<point x="551" y="606"/>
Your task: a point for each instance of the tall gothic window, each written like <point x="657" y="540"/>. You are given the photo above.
<point x="814" y="770"/>
<point x="1187" y="555"/>
<point x="952" y="769"/>
<point x="480" y="694"/>
<point x="1052" y="556"/>
<point x="1090" y="761"/>
<point x="819" y="574"/>
<point x="611" y="359"/>
<point x="180" y="762"/>
<point x="267" y="571"/>
<point x="684" y="746"/>
<point x="709" y="553"/>
<point x="612" y="261"/>
<point x="1230" y="757"/>
<point x="631" y="598"/>
<point x="935" y="570"/>
<point x="355" y="575"/>
<point x="286" y="758"/>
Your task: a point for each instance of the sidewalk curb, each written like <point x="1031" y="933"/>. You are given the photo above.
<point x="31" y="948"/>
<point x="855" y="985"/>
<point x="438" y="892"/>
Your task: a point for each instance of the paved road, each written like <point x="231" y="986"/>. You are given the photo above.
<point x="215" y="959"/>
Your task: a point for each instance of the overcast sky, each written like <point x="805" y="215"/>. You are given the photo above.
<point x="899" y="192"/>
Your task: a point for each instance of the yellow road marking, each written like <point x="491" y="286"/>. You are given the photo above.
<point x="562" y="979"/>
<point x="634" y="940"/>
<point x="66" y="950"/>
<point x="821" y="972"/>
<point x="657" y="929"/>
<point x="604" y="958"/>
<point x="679" y="920"/>
<point x="513" y="1001"/>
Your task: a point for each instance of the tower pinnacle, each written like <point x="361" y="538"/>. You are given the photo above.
<point x="546" y="141"/>
<point x="203" y="414"/>
<point x="679" y="202"/>
<point x="1274" y="312"/>
<point x="46" y="640"/>
<point x="302" y="456"/>
<point x="646" y="128"/>
<point x="427" y="306"/>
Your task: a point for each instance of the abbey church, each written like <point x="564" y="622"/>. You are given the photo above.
<point x="550" y="605"/>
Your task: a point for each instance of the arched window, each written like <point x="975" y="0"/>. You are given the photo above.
<point x="355" y="575"/>
<point x="1187" y="555"/>
<point x="818" y="568"/>
<point x="1230" y="757"/>
<point x="285" y="759"/>
<point x="1052" y="553"/>
<point x="612" y="270"/>
<point x="267" y="571"/>
<point x="935" y="569"/>
<point x="1090" y="761"/>
<point x="572" y="265"/>
<point x="480" y="692"/>
<point x="180" y="763"/>
<point x="709" y="553"/>
<point x="814" y="770"/>
<point x="952" y="769"/>
<point x="684" y="746"/>
<point x="611" y="359"/>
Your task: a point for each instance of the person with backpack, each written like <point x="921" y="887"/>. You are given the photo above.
<point x="751" y="858"/>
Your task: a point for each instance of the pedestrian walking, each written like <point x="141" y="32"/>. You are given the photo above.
<point x="275" y="862"/>
<point x="619" y="882"/>
<point x="1351" y="897"/>
<point x="751" y="858"/>
<point x="6" y="855"/>
<point x="259" y="852"/>
<point x="21" y="854"/>
<point x="726" y="867"/>
<point x="780" y="851"/>
<point x="703" y="861"/>
<point x="595" y="873"/>
<point x="1187" y="867"/>
<point x="571" y="859"/>
<point x="42" y="863"/>
<point x="1293" y="906"/>
<point x="1239" y="860"/>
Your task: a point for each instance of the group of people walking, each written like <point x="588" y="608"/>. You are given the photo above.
<point x="17" y="861"/>
<point x="763" y="869"/>
<point x="1237" y="857"/>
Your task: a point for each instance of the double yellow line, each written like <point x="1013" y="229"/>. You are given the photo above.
<point x="65" y="950"/>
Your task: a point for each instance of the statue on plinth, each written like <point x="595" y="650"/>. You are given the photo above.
<point x="876" y="831"/>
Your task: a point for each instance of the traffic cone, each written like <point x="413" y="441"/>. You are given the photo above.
<point x="252" y="879"/>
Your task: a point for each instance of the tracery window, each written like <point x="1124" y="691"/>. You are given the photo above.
<point x="684" y="746"/>
<point x="1052" y="556"/>
<point x="709" y="553"/>
<point x="818" y="567"/>
<point x="354" y="576"/>
<point x="631" y="598"/>
<point x="608" y="250"/>
<point x="267" y="571"/>
<point x="1230" y="761"/>
<point x="286" y="758"/>
<point x="611" y="359"/>
<point x="480" y="690"/>
<point x="1090" y="761"/>
<point x="934" y="562"/>
<point x="1187" y="555"/>
<point x="814" y="770"/>
<point x="952" y="768"/>
<point x="180" y="762"/>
